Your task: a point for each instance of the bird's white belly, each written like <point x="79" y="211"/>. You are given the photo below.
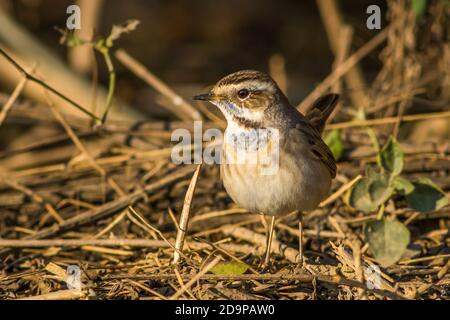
<point x="294" y="185"/>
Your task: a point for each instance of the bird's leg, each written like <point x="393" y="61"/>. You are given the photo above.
<point x="269" y="238"/>
<point x="300" y="240"/>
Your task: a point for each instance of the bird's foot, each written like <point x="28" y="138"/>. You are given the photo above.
<point x="267" y="268"/>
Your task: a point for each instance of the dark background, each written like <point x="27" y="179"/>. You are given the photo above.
<point x="197" y="42"/>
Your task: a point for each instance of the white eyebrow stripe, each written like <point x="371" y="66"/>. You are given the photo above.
<point x="251" y="85"/>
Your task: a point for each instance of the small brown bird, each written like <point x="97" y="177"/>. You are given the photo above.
<point x="274" y="161"/>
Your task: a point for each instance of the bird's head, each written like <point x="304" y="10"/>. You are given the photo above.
<point x="244" y="96"/>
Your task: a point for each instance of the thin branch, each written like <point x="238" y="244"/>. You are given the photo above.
<point x="32" y="78"/>
<point x="332" y="198"/>
<point x="344" y="68"/>
<point x="181" y="108"/>
<point x="111" y="84"/>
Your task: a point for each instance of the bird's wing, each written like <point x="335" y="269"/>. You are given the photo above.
<point x="321" y="109"/>
<point x="321" y="151"/>
<point x="305" y="134"/>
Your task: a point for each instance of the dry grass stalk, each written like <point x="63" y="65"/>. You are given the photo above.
<point x="388" y="120"/>
<point x="333" y="23"/>
<point x="343" y="69"/>
<point x="81" y="57"/>
<point x="181" y="108"/>
<point x="348" y="259"/>
<point x="65" y="243"/>
<point x="12" y="99"/>
<point x="73" y="294"/>
<point x="337" y="194"/>
<point x="184" y="218"/>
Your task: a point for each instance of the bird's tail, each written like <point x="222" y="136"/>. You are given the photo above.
<point x="321" y="110"/>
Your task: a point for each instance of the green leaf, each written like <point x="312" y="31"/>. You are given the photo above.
<point x="426" y="196"/>
<point x="334" y="142"/>
<point x="359" y="196"/>
<point x="370" y="192"/>
<point x="390" y="157"/>
<point x="371" y="173"/>
<point x="419" y="7"/>
<point x="230" y="268"/>
<point x="378" y="191"/>
<point x="403" y="186"/>
<point x="388" y="240"/>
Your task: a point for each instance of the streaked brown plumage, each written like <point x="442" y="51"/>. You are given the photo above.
<point x="251" y="101"/>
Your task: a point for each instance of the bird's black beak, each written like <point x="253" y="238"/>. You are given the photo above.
<point x="203" y="97"/>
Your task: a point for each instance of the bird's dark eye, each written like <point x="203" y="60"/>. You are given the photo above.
<point x="243" y="93"/>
